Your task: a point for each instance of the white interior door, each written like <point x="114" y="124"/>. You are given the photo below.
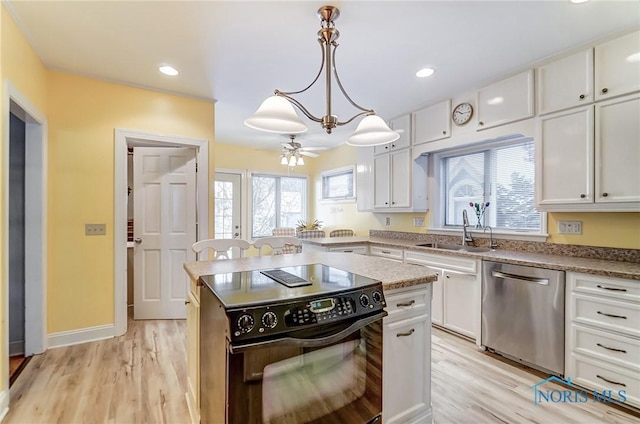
<point x="227" y="192"/>
<point x="165" y="229"/>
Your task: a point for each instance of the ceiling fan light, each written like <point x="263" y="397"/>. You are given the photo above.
<point x="300" y="161"/>
<point x="292" y="161"/>
<point x="372" y="131"/>
<point x="284" y="160"/>
<point x="276" y="115"/>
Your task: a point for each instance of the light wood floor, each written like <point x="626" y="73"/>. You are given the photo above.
<point x="141" y="378"/>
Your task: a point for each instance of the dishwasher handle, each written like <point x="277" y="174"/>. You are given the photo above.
<point x="522" y="278"/>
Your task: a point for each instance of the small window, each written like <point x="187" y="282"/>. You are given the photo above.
<point x="339" y="184"/>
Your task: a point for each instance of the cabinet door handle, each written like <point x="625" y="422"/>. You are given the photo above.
<point x="605" y="90"/>
<point x="610" y="288"/>
<point x="611" y="348"/>
<point x="405" y="304"/>
<point x="408" y="333"/>
<point x="611" y="381"/>
<point x="582" y="196"/>
<point x="612" y="316"/>
<point x="605" y="194"/>
<point x="582" y="97"/>
<point x="481" y="123"/>
<point x="186" y="302"/>
<point x="444" y="133"/>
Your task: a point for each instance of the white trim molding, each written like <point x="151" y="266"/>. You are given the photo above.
<point x="82" y="335"/>
<point x="35" y="226"/>
<point x="124" y="138"/>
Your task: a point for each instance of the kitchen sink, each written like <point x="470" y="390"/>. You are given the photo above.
<point x="456" y="247"/>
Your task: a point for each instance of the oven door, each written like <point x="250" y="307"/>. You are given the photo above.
<point x="331" y="374"/>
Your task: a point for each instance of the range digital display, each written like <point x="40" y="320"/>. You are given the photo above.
<point x="322" y="305"/>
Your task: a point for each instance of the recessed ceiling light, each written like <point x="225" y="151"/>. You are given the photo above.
<point x="168" y="70"/>
<point x="425" y="72"/>
<point x="578" y="1"/>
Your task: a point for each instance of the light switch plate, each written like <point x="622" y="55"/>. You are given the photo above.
<point x="418" y="221"/>
<point x="570" y="227"/>
<point x="95" y="229"/>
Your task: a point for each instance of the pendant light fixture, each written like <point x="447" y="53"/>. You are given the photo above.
<point x="276" y="114"/>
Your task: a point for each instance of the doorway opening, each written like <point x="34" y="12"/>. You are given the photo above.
<point x="131" y="138"/>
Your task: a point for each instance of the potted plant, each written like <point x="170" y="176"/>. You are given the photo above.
<point x="303" y="225"/>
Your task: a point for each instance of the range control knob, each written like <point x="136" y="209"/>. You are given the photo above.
<point x="377" y="296"/>
<point x="364" y="300"/>
<point x="245" y="323"/>
<point x="269" y="319"/>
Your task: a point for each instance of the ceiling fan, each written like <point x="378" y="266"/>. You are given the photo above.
<point x="293" y="148"/>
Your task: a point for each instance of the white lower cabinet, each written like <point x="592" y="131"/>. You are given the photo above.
<point x="456" y="294"/>
<point x="603" y="335"/>
<point x="406" y="396"/>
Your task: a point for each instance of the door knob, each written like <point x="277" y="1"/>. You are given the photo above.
<point x="236" y="234"/>
<point x="138" y="240"/>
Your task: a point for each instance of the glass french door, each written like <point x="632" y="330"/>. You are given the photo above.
<point x="227" y="194"/>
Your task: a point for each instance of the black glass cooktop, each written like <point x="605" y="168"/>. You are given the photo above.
<point x="237" y="289"/>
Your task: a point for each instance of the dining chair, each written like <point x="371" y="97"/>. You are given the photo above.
<point x="221" y="247"/>
<point x="309" y="234"/>
<point x="288" y="232"/>
<point x="342" y="233"/>
<point x="277" y="244"/>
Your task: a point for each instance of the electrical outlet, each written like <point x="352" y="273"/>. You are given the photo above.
<point x="95" y="229"/>
<point x="418" y="221"/>
<point x="570" y="227"/>
<point x="387" y="220"/>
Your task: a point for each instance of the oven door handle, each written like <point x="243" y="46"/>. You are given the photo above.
<point x="315" y="342"/>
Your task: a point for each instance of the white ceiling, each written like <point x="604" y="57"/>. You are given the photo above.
<point x="238" y="52"/>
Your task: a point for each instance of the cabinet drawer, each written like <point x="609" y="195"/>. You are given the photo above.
<point x="606" y="313"/>
<point x="361" y="250"/>
<point x="600" y="376"/>
<point x="386" y="252"/>
<point x="605" y="286"/>
<point x="610" y="347"/>
<point x="406" y="303"/>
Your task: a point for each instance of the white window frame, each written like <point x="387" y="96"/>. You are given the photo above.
<point x="335" y="172"/>
<point x="437" y="192"/>
<point x="271" y="174"/>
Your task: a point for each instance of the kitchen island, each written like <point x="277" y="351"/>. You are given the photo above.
<point x="406" y="330"/>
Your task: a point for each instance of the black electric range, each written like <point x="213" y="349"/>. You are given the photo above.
<point x="271" y="303"/>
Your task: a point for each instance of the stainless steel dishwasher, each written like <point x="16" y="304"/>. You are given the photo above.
<point x="523" y="314"/>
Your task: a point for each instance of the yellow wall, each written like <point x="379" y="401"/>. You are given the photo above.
<point x="20" y="65"/>
<point x="82" y="117"/>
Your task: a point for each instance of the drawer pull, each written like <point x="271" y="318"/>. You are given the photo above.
<point x="347" y="251"/>
<point x="610" y="288"/>
<point x="408" y="333"/>
<point x="611" y="381"/>
<point x="386" y="252"/>
<point x="611" y="348"/>
<point x="400" y="305"/>
<point x="612" y="316"/>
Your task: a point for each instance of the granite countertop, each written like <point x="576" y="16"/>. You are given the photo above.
<point x="629" y="270"/>
<point x="394" y="275"/>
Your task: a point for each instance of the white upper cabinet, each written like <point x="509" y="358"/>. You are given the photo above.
<point x="564" y="157"/>
<point x="506" y="101"/>
<point x="617" y="150"/>
<point x="403" y="126"/>
<point x="432" y="123"/>
<point x="617" y="67"/>
<point x="565" y="83"/>
<point x="392" y="180"/>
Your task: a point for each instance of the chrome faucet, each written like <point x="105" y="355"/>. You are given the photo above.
<point x="466" y="234"/>
<point x="492" y="244"/>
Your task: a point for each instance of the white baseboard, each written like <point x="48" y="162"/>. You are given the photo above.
<point x="4" y="404"/>
<point x="82" y="335"/>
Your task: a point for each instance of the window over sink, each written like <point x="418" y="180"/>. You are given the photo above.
<point x="500" y="174"/>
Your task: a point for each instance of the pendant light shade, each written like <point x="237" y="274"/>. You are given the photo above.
<point x="276" y="114"/>
<point x="372" y="131"/>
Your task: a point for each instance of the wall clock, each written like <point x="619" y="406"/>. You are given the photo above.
<point x="462" y="113"/>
